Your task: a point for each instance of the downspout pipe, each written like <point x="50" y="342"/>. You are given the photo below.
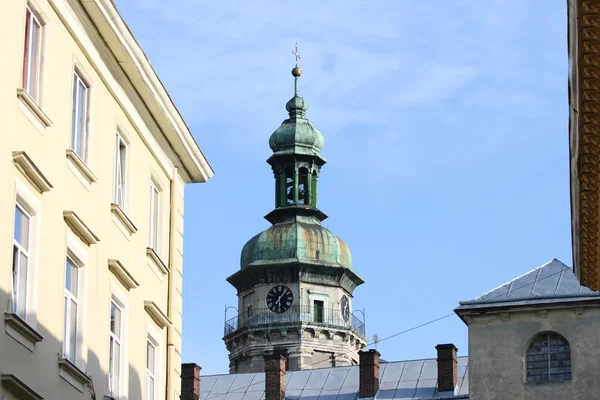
<point x="170" y="288"/>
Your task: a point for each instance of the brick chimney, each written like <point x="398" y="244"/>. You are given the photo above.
<point x="275" y="377"/>
<point x="447" y="366"/>
<point x="190" y="381"/>
<point x="368" y="373"/>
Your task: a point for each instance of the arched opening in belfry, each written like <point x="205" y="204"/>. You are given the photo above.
<point x="303" y="187"/>
<point x="289" y="179"/>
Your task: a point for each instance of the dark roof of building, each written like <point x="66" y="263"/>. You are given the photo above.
<point x="399" y="380"/>
<point x="553" y="282"/>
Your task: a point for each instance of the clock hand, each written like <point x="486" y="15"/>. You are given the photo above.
<point x="279" y="299"/>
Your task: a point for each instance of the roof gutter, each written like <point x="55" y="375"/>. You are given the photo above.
<point x="146" y="81"/>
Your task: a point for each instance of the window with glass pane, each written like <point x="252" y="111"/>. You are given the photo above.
<point x="32" y="54"/>
<point x="549" y="359"/>
<point x="20" y="261"/>
<point x="79" y="118"/>
<point x="150" y="370"/>
<point x="114" y="367"/>
<point x="154" y="220"/>
<point x="71" y="309"/>
<point x="120" y="170"/>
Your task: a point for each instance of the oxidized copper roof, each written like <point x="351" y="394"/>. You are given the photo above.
<point x="301" y="239"/>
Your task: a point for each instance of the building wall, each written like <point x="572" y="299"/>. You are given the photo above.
<point x="71" y="41"/>
<point x="498" y="343"/>
<point x="257" y="296"/>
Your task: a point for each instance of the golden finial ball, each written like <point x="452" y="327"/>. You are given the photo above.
<point x="296" y="72"/>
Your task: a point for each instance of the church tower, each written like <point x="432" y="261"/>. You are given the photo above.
<point x="296" y="280"/>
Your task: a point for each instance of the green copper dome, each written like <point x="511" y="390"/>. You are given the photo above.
<point x="297" y="135"/>
<point x="296" y="235"/>
<point x="298" y="240"/>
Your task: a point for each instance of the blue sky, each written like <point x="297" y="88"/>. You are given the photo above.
<point x="445" y="125"/>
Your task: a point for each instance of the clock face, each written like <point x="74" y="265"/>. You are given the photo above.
<point x="279" y="299"/>
<point x="345" y="308"/>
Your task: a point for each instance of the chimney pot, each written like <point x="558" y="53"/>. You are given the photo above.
<point x="447" y="367"/>
<point x="368" y="373"/>
<point x="190" y="381"/>
<point x="275" y="377"/>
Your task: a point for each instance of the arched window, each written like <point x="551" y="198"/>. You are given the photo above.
<point x="303" y="186"/>
<point x="289" y="173"/>
<point x="548" y="359"/>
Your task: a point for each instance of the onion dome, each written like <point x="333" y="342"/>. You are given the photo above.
<point x="300" y="240"/>
<point x="297" y="135"/>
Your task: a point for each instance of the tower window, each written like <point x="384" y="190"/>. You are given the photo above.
<point x="318" y="310"/>
<point x="548" y="359"/>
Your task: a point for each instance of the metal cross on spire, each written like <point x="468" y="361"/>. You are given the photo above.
<point x="295" y="53"/>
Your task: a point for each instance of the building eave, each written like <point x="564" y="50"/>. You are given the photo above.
<point x="584" y="137"/>
<point x="134" y="62"/>
<point x="466" y="312"/>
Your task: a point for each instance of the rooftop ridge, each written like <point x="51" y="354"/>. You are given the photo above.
<point x="519" y="277"/>
<point x="331" y="368"/>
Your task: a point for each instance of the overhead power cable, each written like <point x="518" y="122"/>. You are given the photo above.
<point x="309" y="366"/>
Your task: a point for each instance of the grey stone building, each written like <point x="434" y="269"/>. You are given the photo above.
<point x="535" y="338"/>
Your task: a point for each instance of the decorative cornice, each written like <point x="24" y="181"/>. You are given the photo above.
<point x="73" y="370"/>
<point x="19" y="388"/>
<point x="123" y="218"/>
<point x="122" y="274"/>
<point x="80" y="228"/>
<point x="31" y="171"/>
<point x="34" y="107"/>
<point x="21" y="326"/>
<point x="155" y="258"/>
<point x="81" y="166"/>
<point x="157" y="314"/>
<point x="137" y="69"/>
<point x="295" y="271"/>
<point x="585" y="140"/>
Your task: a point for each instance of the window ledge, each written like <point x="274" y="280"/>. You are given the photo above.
<point x="155" y="258"/>
<point x="79" y="228"/>
<point x="81" y="167"/>
<point x="73" y="370"/>
<point x="33" y="107"/>
<point x="123" y="219"/>
<point x="122" y="274"/>
<point x="31" y="171"/>
<point x="23" y="328"/>
<point x="19" y="388"/>
<point x="157" y="314"/>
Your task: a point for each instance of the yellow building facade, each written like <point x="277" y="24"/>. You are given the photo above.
<point x="93" y="163"/>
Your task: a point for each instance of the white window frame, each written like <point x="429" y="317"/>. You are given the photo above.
<point x="75" y="250"/>
<point x="71" y="298"/>
<point x="155" y="197"/>
<point x="118" y="339"/>
<point x="18" y="299"/>
<point x="120" y="184"/>
<point x="152" y="395"/>
<point x="28" y="202"/>
<point x="80" y="134"/>
<point x="119" y="297"/>
<point x="33" y="88"/>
